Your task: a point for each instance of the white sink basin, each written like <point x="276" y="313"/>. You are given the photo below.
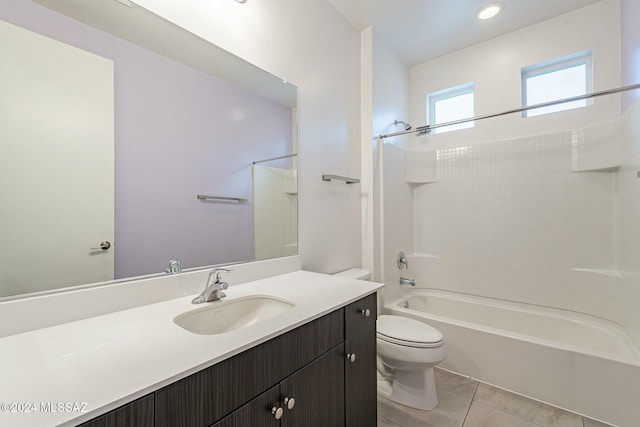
<point x="218" y="317"/>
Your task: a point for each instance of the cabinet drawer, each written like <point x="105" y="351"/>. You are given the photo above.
<point x="205" y="397"/>
<point x="355" y="314"/>
<point x="135" y="414"/>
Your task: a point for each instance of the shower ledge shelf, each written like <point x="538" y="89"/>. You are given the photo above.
<point x="614" y="168"/>
<point x="618" y="274"/>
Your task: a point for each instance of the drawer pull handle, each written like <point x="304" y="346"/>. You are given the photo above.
<point x="351" y="357"/>
<point x="277" y="412"/>
<point x="366" y="312"/>
<point x="289" y="402"/>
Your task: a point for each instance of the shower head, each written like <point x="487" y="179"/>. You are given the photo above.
<point x="406" y="125"/>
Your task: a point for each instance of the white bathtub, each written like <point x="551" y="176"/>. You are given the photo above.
<point x="578" y="362"/>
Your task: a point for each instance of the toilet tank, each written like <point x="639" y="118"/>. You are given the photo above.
<point x="355" y="273"/>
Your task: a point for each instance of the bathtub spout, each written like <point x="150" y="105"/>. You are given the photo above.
<point x="409" y="282"/>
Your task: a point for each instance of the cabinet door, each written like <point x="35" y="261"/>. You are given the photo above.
<point x="360" y="367"/>
<point x="360" y="378"/>
<point x="257" y="413"/>
<point x="318" y="390"/>
<point x="134" y="414"/>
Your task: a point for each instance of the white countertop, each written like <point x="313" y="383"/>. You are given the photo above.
<point x="100" y="363"/>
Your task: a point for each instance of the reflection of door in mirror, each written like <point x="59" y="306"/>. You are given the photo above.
<point x="56" y="124"/>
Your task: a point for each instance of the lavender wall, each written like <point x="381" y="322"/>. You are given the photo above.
<point x="179" y="133"/>
<point x="630" y="32"/>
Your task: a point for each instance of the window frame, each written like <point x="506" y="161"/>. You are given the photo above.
<point x="584" y="57"/>
<point x="452" y="92"/>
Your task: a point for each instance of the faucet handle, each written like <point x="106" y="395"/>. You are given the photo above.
<point x="402" y="261"/>
<point x="174" y="267"/>
<point x="215" y="275"/>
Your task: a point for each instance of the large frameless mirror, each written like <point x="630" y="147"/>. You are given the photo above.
<point x="128" y="142"/>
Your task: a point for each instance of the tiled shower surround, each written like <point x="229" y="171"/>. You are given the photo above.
<point x="551" y="220"/>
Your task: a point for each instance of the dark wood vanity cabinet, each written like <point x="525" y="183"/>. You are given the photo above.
<point x="312" y="364"/>
<point x="207" y="396"/>
<point x="317" y="391"/>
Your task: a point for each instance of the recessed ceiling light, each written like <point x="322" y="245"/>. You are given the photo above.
<point x="241" y="1"/>
<point x="490" y="10"/>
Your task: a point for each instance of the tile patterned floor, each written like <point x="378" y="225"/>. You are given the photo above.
<point x="464" y="402"/>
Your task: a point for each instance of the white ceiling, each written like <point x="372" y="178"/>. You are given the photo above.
<point x="420" y="30"/>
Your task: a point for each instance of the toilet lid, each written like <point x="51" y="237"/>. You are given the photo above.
<point x="409" y="332"/>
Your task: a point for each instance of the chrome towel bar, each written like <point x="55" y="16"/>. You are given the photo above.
<point x="326" y="177"/>
<point x="222" y="198"/>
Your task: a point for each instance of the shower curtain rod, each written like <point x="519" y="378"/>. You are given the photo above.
<point x="425" y="130"/>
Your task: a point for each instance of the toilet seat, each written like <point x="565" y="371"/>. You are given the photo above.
<point x="408" y="332"/>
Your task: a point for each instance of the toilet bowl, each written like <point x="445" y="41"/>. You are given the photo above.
<point x="408" y="351"/>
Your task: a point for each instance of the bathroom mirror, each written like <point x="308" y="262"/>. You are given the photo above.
<point x="129" y="142"/>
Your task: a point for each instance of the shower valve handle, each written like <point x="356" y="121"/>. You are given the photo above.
<point x="402" y="261"/>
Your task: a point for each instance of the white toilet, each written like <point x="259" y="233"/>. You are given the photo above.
<point x="408" y="350"/>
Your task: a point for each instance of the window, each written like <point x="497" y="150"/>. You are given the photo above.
<point x="560" y="78"/>
<point x="451" y="104"/>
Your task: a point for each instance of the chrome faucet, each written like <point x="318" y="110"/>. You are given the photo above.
<point x="175" y="267"/>
<point x="410" y="282"/>
<point x="213" y="289"/>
